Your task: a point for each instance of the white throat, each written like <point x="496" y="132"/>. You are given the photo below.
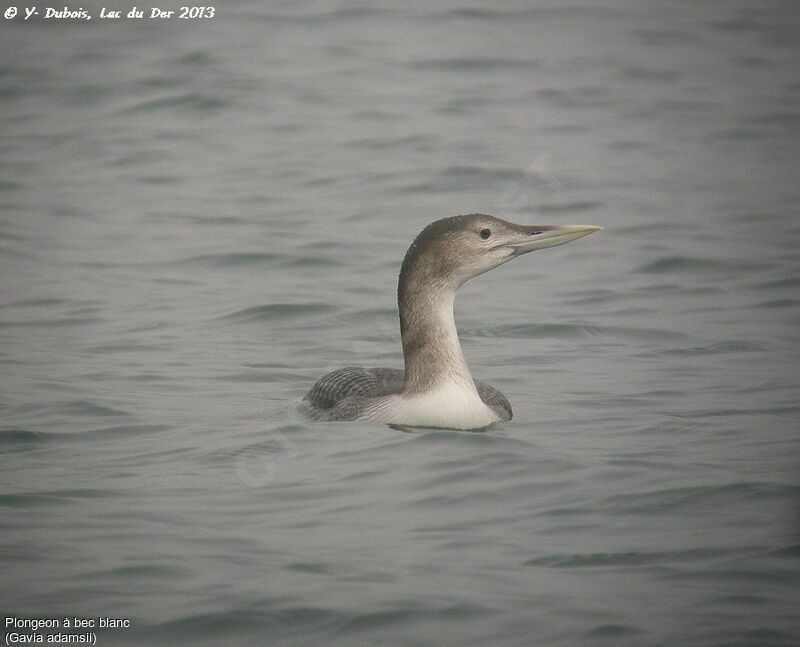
<point x="450" y="400"/>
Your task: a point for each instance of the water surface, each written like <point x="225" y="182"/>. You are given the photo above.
<point x="197" y="220"/>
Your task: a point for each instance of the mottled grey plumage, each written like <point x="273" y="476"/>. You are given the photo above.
<point x="436" y="388"/>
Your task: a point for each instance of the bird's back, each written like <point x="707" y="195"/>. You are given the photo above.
<point x="350" y="381"/>
<point x="332" y="391"/>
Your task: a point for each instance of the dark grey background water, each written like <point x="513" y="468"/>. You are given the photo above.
<point x="198" y="219"/>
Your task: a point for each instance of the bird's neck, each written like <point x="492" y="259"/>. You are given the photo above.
<point x="433" y="356"/>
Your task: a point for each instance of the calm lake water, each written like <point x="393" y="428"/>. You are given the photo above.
<point x="200" y="218"/>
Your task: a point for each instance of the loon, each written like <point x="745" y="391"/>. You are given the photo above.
<point x="436" y="389"/>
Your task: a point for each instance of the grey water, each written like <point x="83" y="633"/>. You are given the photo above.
<point x="200" y="218"/>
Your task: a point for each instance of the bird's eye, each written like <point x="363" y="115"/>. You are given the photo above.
<point x="485" y="233"/>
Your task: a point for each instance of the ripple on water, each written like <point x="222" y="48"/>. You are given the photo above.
<point x="473" y="64"/>
<point x="611" y="632"/>
<point x="16" y="440"/>
<point x="279" y="311"/>
<point x="69" y="408"/>
<point x="624" y="559"/>
<point x="665" y="501"/>
<point x="234" y="260"/>
<point x="148" y="572"/>
<point x="51" y="497"/>
<point x="572" y="331"/>
<point x="570" y="207"/>
<point x="721" y="348"/>
<point x="671" y="264"/>
<point x="778" y="284"/>
<point x="187" y="101"/>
